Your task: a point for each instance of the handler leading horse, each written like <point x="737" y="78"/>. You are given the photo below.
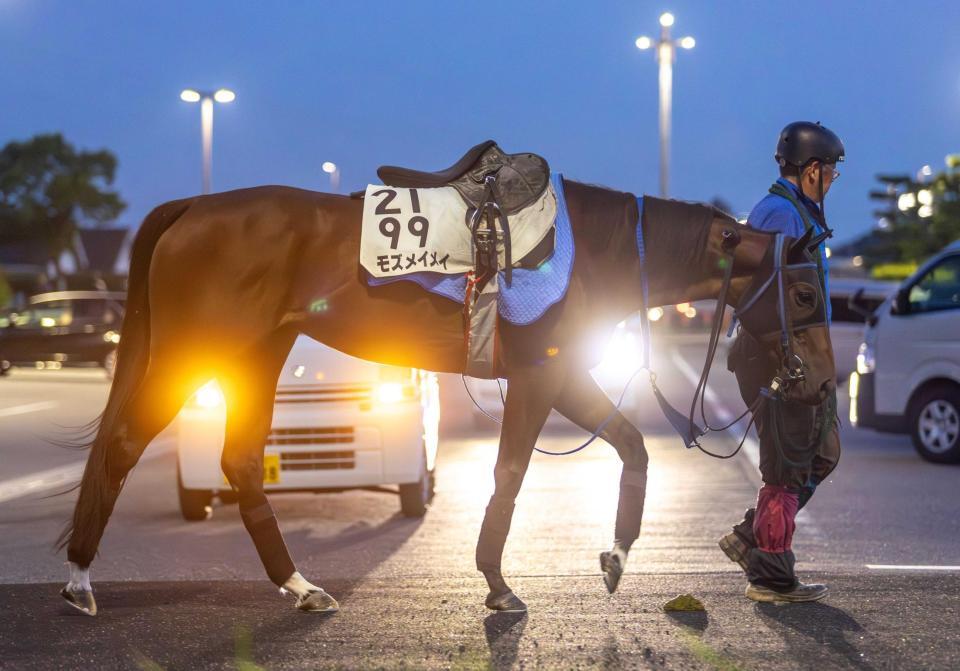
<point x="221" y="285"/>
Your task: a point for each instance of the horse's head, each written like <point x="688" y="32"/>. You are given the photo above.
<point x="785" y="310"/>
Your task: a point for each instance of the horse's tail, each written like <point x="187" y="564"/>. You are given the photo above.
<point x="133" y="354"/>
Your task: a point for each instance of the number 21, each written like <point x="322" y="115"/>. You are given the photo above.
<point x="390" y="226"/>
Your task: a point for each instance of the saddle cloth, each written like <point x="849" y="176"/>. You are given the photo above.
<point x="411" y="230"/>
<point x="533" y="290"/>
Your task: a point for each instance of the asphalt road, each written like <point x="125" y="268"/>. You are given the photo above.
<point x="193" y="595"/>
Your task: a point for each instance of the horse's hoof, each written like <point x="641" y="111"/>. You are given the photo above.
<point x="318" y="602"/>
<point x="612" y="570"/>
<point x="507" y="602"/>
<point x="82" y="600"/>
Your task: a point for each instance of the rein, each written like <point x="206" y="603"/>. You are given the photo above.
<point x="769" y="397"/>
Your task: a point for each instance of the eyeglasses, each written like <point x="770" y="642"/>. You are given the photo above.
<point x="830" y="170"/>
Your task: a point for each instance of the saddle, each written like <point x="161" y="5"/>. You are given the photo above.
<point x="520" y="178"/>
<point x="494" y="185"/>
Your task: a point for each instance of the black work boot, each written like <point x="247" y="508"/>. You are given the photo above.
<point x="796" y="594"/>
<point x="740" y="541"/>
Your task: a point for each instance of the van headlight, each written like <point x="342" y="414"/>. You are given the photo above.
<point x="866" y="359"/>
<point x="207" y="397"/>
<point x="395" y="392"/>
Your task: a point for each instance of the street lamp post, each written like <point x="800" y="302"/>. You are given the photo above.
<point x="665" y="50"/>
<point x="333" y="170"/>
<point x="206" y="100"/>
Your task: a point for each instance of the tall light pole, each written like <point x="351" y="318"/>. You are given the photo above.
<point x="333" y="170"/>
<point x="206" y="100"/>
<point x="666" y="52"/>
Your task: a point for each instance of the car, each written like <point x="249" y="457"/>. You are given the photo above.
<point x="908" y="368"/>
<point x="847" y="322"/>
<point x="339" y="423"/>
<point x="63" y="328"/>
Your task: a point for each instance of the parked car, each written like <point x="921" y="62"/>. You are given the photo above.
<point x="339" y="423"/>
<point x="847" y="323"/>
<point x="63" y="328"/>
<point x="908" y="369"/>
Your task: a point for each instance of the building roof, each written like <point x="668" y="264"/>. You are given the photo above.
<point x="103" y="248"/>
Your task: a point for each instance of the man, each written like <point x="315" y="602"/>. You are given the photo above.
<point x="807" y="154"/>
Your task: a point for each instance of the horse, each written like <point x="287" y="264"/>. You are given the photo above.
<point x="220" y="285"/>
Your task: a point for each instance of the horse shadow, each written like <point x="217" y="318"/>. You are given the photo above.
<point x="826" y="625"/>
<point x="356" y="550"/>
<point x="249" y="614"/>
<point x="503" y="632"/>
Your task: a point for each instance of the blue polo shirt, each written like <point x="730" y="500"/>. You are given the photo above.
<point x="778" y="215"/>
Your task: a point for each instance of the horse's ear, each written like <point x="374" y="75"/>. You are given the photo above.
<point x="798" y="248"/>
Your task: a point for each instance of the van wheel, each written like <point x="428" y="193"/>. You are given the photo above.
<point x="194" y="503"/>
<point x="415" y="496"/>
<point x="935" y="424"/>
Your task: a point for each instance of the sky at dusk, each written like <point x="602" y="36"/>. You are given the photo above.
<point x="416" y="83"/>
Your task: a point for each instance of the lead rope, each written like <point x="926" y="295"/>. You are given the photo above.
<point x="700" y="389"/>
<point x="593" y="436"/>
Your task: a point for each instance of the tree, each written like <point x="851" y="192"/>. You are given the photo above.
<point x="48" y="189"/>
<point x="917" y="219"/>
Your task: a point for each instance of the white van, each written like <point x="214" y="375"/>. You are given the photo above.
<point x="847" y="323"/>
<point x="338" y="423"/>
<point x="908" y="369"/>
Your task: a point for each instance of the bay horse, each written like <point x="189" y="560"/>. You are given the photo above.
<point x="220" y="286"/>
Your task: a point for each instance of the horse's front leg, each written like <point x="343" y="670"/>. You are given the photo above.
<point x="584" y="403"/>
<point x="530" y="396"/>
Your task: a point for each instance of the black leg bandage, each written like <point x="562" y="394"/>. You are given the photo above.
<point x="633" y="491"/>
<point x="262" y="526"/>
<point x="493" y="533"/>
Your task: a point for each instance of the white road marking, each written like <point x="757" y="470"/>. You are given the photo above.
<point x="909" y="567"/>
<point x="751" y="448"/>
<point x="27" y="408"/>
<point x="63" y="476"/>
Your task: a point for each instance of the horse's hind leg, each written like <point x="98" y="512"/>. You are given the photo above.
<point x="530" y="397"/>
<point x="249" y="387"/>
<point x="151" y="407"/>
<point x="584" y="403"/>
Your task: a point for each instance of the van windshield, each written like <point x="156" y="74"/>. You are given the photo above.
<point x="938" y="289"/>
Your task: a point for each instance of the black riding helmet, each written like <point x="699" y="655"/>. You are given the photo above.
<point x="803" y="141"/>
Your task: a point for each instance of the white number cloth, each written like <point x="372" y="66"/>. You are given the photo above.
<point x="415" y="230"/>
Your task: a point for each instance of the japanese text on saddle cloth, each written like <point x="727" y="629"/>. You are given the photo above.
<point x="423" y="236"/>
